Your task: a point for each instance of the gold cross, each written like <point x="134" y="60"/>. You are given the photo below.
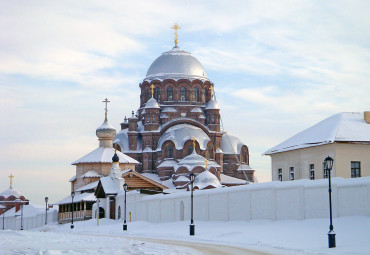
<point x="193" y="139"/>
<point x="152" y="87"/>
<point x="11" y="179"/>
<point x="176" y="27"/>
<point x="106" y="106"/>
<point x="206" y="164"/>
<point x="211" y="90"/>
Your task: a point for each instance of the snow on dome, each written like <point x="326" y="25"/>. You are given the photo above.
<point x="230" y="144"/>
<point x="163" y="116"/>
<point x="206" y="180"/>
<point x="105" y="130"/>
<point x="181" y="133"/>
<point x="341" y="127"/>
<point x="122" y="140"/>
<point x="182" y="178"/>
<point x="11" y="192"/>
<point x="193" y="160"/>
<point x="196" y="109"/>
<point x="169" y="109"/>
<point x="104" y="155"/>
<point x="212" y="105"/>
<point x="176" y="64"/>
<point x="90" y="173"/>
<point x="167" y="163"/>
<point x="152" y="103"/>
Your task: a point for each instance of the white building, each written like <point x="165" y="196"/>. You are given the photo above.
<point x="344" y="136"/>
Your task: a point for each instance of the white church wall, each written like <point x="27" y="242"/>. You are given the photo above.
<point x="296" y="200"/>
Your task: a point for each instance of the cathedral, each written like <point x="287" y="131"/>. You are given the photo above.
<point x="179" y="114"/>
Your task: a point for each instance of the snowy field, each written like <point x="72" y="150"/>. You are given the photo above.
<point x="234" y="237"/>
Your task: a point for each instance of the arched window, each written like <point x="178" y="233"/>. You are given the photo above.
<point x="182" y="94"/>
<point x="157" y="94"/>
<point x="245" y="156"/>
<point x="153" y="119"/>
<point x="196" y="95"/>
<point x="169" y="94"/>
<point x="170" y="151"/>
<point x="147" y="94"/>
<point x="190" y="149"/>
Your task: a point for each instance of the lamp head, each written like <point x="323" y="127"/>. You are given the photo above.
<point x="73" y="194"/>
<point x="328" y="163"/>
<point x="125" y="187"/>
<point x="192" y="177"/>
<point x="46" y="199"/>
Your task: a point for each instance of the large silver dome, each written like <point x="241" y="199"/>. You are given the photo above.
<point x="176" y="64"/>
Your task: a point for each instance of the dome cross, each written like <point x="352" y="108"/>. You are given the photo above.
<point x="11" y="176"/>
<point x="176" y="27"/>
<point x="211" y="91"/>
<point x="106" y="101"/>
<point x="152" y="88"/>
<point x="193" y="140"/>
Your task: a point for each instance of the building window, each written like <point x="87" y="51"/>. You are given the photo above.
<point x="280" y="174"/>
<point x="196" y="95"/>
<point x="355" y="169"/>
<point x="325" y="172"/>
<point x="147" y="94"/>
<point x="291" y="172"/>
<point x="157" y="94"/>
<point x="190" y="149"/>
<point x="312" y="171"/>
<point x="169" y="94"/>
<point x="169" y="151"/>
<point x="182" y="94"/>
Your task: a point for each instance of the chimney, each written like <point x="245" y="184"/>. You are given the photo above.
<point x="367" y="117"/>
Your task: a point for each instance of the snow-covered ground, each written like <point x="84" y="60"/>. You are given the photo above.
<point x="273" y="237"/>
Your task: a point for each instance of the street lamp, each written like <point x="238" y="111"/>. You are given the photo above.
<point x="3" y="217"/>
<point x="328" y="165"/>
<point x="72" y="195"/>
<point x="46" y="210"/>
<point x="124" y="214"/>
<point x="192" y="226"/>
<point x="21" y="215"/>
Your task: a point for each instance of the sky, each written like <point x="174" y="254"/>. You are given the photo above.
<point x="278" y="67"/>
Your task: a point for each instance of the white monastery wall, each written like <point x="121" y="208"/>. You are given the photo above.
<point x="34" y="221"/>
<point x="295" y="200"/>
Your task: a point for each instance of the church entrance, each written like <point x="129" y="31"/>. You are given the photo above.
<point x="101" y="212"/>
<point x="112" y="208"/>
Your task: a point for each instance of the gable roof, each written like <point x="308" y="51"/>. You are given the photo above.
<point x="104" y="155"/>
<point x="341" y="127"/>
<point x="131" y="172"/>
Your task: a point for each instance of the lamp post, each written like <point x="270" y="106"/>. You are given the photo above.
<point x="192" y="226"/>
<point x="72" y="195"/>
<point x="124" y="213"/>
<point x="21" y="215"/>
<point x="328" y="163"/>
<point x="46" y="210"/>
<point x="3" y="218"/>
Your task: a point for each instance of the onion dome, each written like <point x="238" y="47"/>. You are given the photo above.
<point x="212" y="105"/>
<point x="176" y="64"/>
<point x="105" y="130"/>
<point x="115" y="158"/>
<point x="152" y="103"/>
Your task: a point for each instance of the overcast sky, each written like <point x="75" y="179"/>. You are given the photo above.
<point x="278" y="68"/>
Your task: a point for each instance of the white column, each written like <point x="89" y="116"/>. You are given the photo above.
<point x="107" y="208"/>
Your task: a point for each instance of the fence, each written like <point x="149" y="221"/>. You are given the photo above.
<point x="297" y="200"/>
<point x="35" y="221"/>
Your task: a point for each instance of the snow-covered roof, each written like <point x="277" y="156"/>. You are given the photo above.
<point x="225" y="179"/>
<point x="152" y="103"/>
<point x="341" y="127"/>
<point x="73" y="178"/>
<point x="147" y="149"/>
<point x="164" y="116"/>
<point x="110" y="185"/>
<point x="169" y="109"/>
<point x="90" y="173"/>
<point x="176" y="64"/>
<point x="105" y="130"/>
<point x="212" y="105"/>
<point x="197" y="109"/>
<point x="122" y="140"/>
<point x="205" y="179"/>
<point x="79" y="197"/>
<point x="11" y="192"/>
<point x="104" y="155"/>
<point x="182" y="178"/>
<point x="202" y="116"/>
<point x="28" y="211"/>
<point x="167" y="163"/>
<point x="88" y="186"/>
<point x="181" y="133"/>
<point x="231" y="144"/>
<point x="244" y="167"/>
